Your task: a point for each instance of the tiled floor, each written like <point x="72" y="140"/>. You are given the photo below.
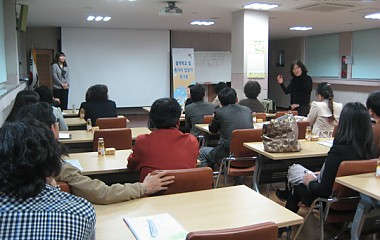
<point x="311" y="229"/>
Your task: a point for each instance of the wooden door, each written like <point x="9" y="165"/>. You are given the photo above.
<point x="44" y="61"/>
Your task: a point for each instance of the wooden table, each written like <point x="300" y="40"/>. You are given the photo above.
<point x="75" y="122"/>
<point x="69" y="113"/>
<point x="201" y="210"/>
<point x="204" y="126"/>
<point x="310" y="150"/>
<point x="368" y="185"/>
<point x="92" y="163"/>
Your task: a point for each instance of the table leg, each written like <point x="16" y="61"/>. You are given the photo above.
<point x="256" y="173"/>
<point x="365" y="205"/>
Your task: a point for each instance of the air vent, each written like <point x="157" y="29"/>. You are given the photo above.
<point x="325" y="7"/>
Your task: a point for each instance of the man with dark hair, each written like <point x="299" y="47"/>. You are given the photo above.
<point x="197" y="109"/>
<point x="252" y="89"/>
<point x="94" y="190"/>
<point x="229" y="117"/>
<point x="29" y="207"/>
<point x="46" y="95"/>
<point x="373" y="106"/>
<point x="218" y="87"/>
<point x="166" y="147"/>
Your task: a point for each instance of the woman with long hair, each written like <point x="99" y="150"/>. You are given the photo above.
<point x="61" y="79"/>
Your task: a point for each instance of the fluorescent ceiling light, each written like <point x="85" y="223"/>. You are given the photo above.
<point x="202" y="23"/>
<point x="90" y="18"/>
<point x="260" y="6"/>
<point x="373" y="16"/>
<point x="106" y="19"/>
<point x="300" y="28"/>
<point x="98" y="18"/>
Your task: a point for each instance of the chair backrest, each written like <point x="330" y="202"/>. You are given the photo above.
<point x="111" y="122"/>
<point x="262" y="116"/>
<point x="351" y="168"/>
<point x="118" y="138"/>
<point x="64" y="187"/>
<point x="240" y="136"/>
<point x="267" y="231"/>
<point x="302" y="128"/>
<point x="208" y="118"/>
<point x="282" y="113"/>
<point x="188" y="180"/>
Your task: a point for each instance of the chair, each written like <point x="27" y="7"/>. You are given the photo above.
<point x="188" y="180"/>
<point x="282" y="113"/>
<point x="64" y="187"/>
<point x="202" y="139"/>
<point x="208" y="118"/>
<point x="111" y="122"/>
<point x="302" y="128"/>
<point x="262" y="116"/>
<point x="241" y="161"/>
<point x="118" y="138"/>
<point x="341" y="206"/>
<point x="267" y="231"/>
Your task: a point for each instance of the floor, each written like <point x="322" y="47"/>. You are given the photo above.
<point x="311" y="229"/>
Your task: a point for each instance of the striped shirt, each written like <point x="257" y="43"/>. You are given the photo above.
<point x="52" y="214"/>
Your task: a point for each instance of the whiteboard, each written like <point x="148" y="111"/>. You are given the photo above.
<point x="212" y="67"/>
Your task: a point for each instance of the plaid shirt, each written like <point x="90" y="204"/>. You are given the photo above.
<point x="52" y="214"/>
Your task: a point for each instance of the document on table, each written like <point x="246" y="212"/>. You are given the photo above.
<point x="64" y="135"/>
<point x="157" y="227"/>
<point x="75" y="163"/>
<point x="327" y="143"/>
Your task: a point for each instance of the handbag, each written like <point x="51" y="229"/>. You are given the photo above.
<point x="281" y="135"/>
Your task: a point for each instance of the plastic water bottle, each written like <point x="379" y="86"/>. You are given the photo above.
<point x="101" y="149"/>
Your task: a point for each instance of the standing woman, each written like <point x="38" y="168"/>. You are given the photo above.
<point x="61" y="79"/>
<point x="300" y="88"/>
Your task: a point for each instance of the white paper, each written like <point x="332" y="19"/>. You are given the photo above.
<point x="327" y="143"/>
<point x="167" y="227"/>
<point x="75" y="163"/>
<point x="64" y="135"/>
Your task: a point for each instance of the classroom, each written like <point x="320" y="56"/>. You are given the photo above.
<point x="134" y="55"/>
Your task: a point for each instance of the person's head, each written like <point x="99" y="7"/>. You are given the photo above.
<point x="219" y="86"/>
<point x="197" y="93"/>
<point x="165" y="113"/>
<point x="355" y="128"/>
<point x="373" y="103"/>
<point x="97" y="93"/>
<point x="297" y="68"/>
<point x="45" y="93"/>
<point x="325" y="91"/>
<point x="23" y="98"/>
<point x="60" y="58"/>
<point x="188" y="90"/>
<point x="42" y="112"/>
<point x="252" y="89"/>
<point x="227" y="96"/>
<point x="29" y="154"/>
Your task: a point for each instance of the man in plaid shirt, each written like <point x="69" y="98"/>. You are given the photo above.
<point x="30" y="208"/>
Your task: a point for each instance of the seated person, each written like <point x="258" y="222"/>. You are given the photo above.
<point x="324" y="113"/>
<point x="23" y="98"/>
<point x="46" y="95"/>
<point x="252" y="89"/>
<point x="373" y="106"/>
<point x="95" y="190"/>
<point x="353" y="141"/>
<point x="29" y="207"/>
<point x="165" y="148"/>
<point x="97" y="104"/>
<point x="197" y="109"/>
<point x="188" y="100"/>
<point x="227" y="118"/>
<point x="218" y="87"/>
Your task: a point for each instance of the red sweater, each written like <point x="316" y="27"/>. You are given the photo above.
<point x="163" y="149"/>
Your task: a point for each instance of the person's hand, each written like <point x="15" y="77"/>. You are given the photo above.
<point x="280" y="80"/>
<point x="57" y="100"/>
<point x="308" y="177"/>
<point x="65" y="85"/>
<point x="294" y="106"/>
<point x="51" y="181"/>
<point x="157" y="182"/>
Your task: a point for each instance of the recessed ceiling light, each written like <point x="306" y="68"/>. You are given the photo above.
<point x="98" y="18"/>
<point x="106" y="19"/>
<point x="260" y="6"/>
<point x="300" y="28"/>
<point x="202" y="23"/>
<point x="90" y="18"/>
<point x="373" y="16"/>
<point x="132" y="0"/>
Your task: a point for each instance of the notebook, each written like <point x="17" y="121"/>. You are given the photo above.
<point x="64" y="135"/>
<point x="327" y="143"/>
<point x="156" y="227"/>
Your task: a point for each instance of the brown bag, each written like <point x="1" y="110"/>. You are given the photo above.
<point x="281" y="135"/>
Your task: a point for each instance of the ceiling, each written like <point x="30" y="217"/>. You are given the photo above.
<point x="325" y="16"/>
